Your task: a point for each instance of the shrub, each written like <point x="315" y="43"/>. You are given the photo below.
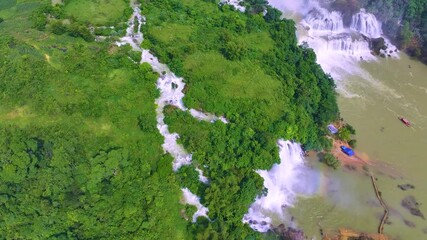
<point x="78" y="30"/>
<point x="331" y="161"/>
<point x="57" y="27"/>
<point x="344" y="134"/>
<point x="352" y="143"/>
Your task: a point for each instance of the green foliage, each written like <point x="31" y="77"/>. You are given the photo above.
<point x="79" y="30"/>
<point x="6" y="4"/>
<point x="331" y="161"/>
<point x="190" y="210"/>
<point x="60" y="19"/>
<point x="344" y="134"/>
<point x="406" y="33"/>
<point x="39" y="19"/>
<point x="272" y="15"/>
<point x="1" y="20"/>
<point x="267" y="89"/>
<point x="350" y="129"/>
<point x="326" y="143"/>
<point x="412" y="14"/>
<point x="352" y="143"/>
<point x="57" y="27"/>
<point x="80" y="154"/>
<point x="234" y="51"/>
<point x="99" y="12"/>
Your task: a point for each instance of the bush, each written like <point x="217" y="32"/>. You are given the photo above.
<point x="57" y="27"/>
<point x="344" y="134"/>
<point x="331" y="161"/>
<point x="78" y="30"/>
<point x="39" y="20"/>
<point x="352" y="143"/>
<point x="234" y="51"/>
<point x="325" y="143"/>
<point x="350" y="129"/>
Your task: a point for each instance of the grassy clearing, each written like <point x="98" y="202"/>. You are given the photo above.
<point x="215" y="81"/>
<point x="172" y="32"/>
<point x="260" y="41"/>
<point x="5" y="4"/>
<point x="101" y="12"/>
<point x="232" y="79"/>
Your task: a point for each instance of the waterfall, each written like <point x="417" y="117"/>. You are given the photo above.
<point x="192" y="199"/>
<point x="284" y="183"/>
<point x="366" y="24"/>
<point x="323" y="20"/>
<point x="339" y="48"/>
<point x="327" y="28"/>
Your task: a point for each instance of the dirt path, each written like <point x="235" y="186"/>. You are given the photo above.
<point x="344" y="158"/>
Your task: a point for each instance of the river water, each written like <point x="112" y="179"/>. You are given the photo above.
<point x="398" y="150"/>
<point x="373" y="93"/>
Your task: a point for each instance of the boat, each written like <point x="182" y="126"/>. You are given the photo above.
<point x="347" y="151"/>
<point x="405" y="121"/>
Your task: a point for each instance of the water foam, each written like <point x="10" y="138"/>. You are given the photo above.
<point x="170" y="87"/>
<point x="192" y="199"/>
<point x="366" y="24"/>
<point x="235" y="4"/>
<point x="284" y="182"/>
<point x="339" y="49"/>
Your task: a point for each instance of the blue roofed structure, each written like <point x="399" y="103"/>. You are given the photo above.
<point x="332" y="129"/>
<point x="347" y="151"/>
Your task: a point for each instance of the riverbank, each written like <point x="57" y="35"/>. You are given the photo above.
<point x="357" y="160"/>
<point x="348" y="234"/>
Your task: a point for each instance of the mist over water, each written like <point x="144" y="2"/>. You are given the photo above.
<point x="341" y="51"/>
<point x="284" y="182"/>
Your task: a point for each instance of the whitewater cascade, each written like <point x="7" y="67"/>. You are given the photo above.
<point x="170" y="87"/>
<point x="325" y="22"/>
<point x="339" y="49"/>
<point x="235" y="3"/>
<point x="284" y="182"/>
<point x="192" y="199"/>
<point x="366" y="24"/>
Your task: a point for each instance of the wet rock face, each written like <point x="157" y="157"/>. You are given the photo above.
<point x="377" y="44"/>
<point x="409" y="223"/>
<point x="287" y="233"/>
<point x="405" y="187"/>
<point x="411" y="204"/>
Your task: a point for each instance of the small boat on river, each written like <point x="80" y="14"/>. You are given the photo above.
<point x="405" y="121"/>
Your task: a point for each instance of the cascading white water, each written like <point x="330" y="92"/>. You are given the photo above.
<point x="366" y="24"/>
<point x="284" y="182"/>
<point x="339" y="49"/>
<point x="323" y="20"/>
<point x="192" y="199"/>
<point x="170" y="87"/>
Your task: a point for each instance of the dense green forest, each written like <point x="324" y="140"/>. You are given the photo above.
<point x="405" y="21"/>
<point x="75" y="161"/>
<point x="248" y="68"/>
<point x="80" y="154"/>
